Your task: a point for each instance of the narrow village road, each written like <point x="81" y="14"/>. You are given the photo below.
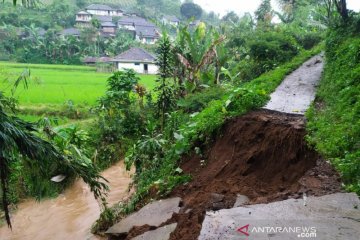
<point x="298" y="90"/>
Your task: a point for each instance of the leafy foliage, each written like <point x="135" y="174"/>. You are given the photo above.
<point x="197" y="52"/>
<point x="165" y="90"/>
<point x="22" y="149"/>
<point x="191" y="10"/>
<point x="264" y="13"/>
<point x="334" y="126"/>
<point x="121" y="117"/>
<point x="195" y="102"/>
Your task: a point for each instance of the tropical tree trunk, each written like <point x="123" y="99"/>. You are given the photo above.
<point x="3" y="178"/>
<point x="342" y="9"/>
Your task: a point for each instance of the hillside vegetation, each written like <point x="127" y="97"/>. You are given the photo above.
<point x="334" y="122"/>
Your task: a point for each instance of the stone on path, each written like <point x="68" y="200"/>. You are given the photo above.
<point x="153" y="214"/>
<point x="330" y="217"/>
<point x="298" y="90"/>
<point x="241" y="200"/>
<point x="162" y="233"/>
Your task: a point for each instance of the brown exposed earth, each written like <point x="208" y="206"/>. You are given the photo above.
<point x="262" y="155"/>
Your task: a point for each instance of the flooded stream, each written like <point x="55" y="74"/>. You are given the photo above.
<point x="68" y="216"/>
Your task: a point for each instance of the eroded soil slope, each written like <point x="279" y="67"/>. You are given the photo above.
<point x="262" y="155"/>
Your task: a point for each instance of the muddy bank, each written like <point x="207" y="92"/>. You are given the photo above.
<point x="262" y="155"/>
<point x="68" y="216"/>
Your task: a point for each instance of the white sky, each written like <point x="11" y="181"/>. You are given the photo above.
<point x="242" y="6"/>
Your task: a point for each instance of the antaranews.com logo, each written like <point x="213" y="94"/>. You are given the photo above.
<point x="301" y="232"/>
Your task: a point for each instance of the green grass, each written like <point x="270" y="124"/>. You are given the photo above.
<point x="57" y="84"/>
<point x="334" y="123"/>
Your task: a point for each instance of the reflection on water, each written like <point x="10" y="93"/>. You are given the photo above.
<point x="70" y="215"/>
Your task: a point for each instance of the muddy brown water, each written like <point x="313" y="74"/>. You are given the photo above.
<point x="68" y="216"/>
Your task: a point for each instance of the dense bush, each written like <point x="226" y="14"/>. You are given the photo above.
<point x="122" y="117"/>
<point x="266" y="47"/>
<point x="198" y="101"/>
<point x="264" y="51"/>
<point x="334" y="124"/>
<point x="309" y="40"/>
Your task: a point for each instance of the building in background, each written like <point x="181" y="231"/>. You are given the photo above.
<point x="137" y="59"/>
<point x="171" y="20"/>
<point x="144" y="31"/>
<point x="103" y="10"/>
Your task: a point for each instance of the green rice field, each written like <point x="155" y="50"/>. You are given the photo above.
<point x="58" y="90"/>
<point x="57" y="84"/>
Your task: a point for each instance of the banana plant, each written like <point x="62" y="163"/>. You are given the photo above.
<point x="197" y="50"/>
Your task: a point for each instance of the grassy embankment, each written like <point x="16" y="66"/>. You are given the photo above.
<point x="62" y="91"/>
<point x="334" y="121"/>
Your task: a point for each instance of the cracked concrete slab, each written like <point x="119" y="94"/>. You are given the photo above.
<point x="153" y="214"/>
<point x="330" y="217"/>
<point x="162" y="233"/>
<point x="298" y="90"/>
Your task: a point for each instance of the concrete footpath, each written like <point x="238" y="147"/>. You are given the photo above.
<point x="330" y="217"/>
<point x="298" y="90"/>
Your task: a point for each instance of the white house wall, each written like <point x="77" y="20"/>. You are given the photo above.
<point x="86" y="18"/>
<point x="116" y="13"/>
<point x="152" y="68"/>
<point x="128" y="27"/>
<point x="150" y="41"/>
<point x="105" y="13"/>
<point x="98" y="12"/>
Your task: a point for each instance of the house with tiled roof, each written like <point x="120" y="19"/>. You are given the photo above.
<point x="108" y="28"/>
<point x="93" y="60"/>
<point x="103" y="10"/>
<point x="137" y="59"/>
<point x="144" y="31"/>
<point x="83" y="16"/>
<point x="171" y="20"/>
<point x="70" y="32"/>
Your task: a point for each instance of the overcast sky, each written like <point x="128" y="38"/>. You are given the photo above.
<point x="242" y="6"/>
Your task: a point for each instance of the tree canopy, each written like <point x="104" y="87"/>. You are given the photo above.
<point x="191" y="10"/>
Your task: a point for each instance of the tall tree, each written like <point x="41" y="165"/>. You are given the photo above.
<point x="264" y="13"/>
<point x="191" y="10"/>
<point x="231" y="17"/>
<point x="288" y="10"/>
<point x="165" y="62"/>
<point x="342" y="9"/>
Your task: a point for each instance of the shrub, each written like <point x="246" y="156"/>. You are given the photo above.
<point x="309" y="40"/>
<point x="122" y="117"/>
<point x="269" y="49"/>
<point x="198" y="101"/>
